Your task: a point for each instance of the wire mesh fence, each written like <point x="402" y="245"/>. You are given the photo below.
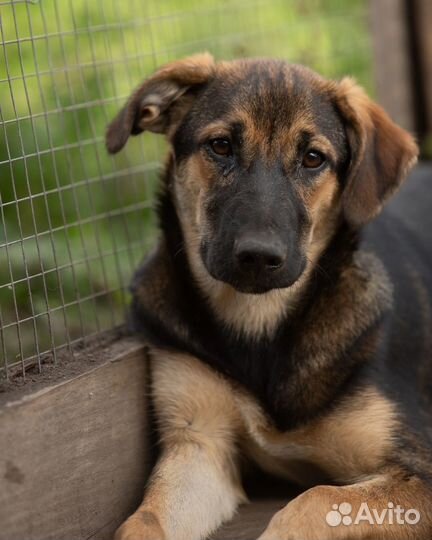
<point x="74" y="223"/>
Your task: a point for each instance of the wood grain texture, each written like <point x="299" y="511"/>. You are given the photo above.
<point x="392" y="62"/>
<point x="423" y="11"/>
<point x="74" y="457"/>
<point x="251" y="520"/>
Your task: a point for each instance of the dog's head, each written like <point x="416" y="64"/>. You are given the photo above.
<point x="268" y="159"/>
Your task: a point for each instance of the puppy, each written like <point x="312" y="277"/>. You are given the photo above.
<point x="288" y="325"/>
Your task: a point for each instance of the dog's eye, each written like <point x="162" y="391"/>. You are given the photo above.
<point x="313" y="159"/>
<point x="221" y="147"/>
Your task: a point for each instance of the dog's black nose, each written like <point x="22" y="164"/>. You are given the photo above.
<point x="255" y="253"/>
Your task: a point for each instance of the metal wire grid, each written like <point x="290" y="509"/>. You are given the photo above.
<point x="74" y="223"/>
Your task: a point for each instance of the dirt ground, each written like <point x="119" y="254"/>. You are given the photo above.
<point x="69" y="363"/>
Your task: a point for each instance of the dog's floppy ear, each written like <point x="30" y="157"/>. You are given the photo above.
<point x="161" y="101"/>
<point x="382" y="153"/>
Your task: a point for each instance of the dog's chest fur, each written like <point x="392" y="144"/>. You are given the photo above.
<point x="295" y="374"/>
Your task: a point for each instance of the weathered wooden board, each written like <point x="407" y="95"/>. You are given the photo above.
<point x="423" y="16"/>
<point x="74" y="457"/>
<point x="251" y="520"/>
<point x="392" y="60"/>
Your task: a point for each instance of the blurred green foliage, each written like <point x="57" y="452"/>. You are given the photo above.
<point x="75" y="222"/>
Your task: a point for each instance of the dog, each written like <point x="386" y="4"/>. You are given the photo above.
<point x="289" y="317"/>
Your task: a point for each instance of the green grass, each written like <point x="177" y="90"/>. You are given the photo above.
<point x="57" y="93"/>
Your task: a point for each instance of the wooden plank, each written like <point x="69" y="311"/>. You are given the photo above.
<point x="392" y="61"/>
<point x="74" y="456"/>
<point x="423" y="33"/>
<point x="251" y="520"/>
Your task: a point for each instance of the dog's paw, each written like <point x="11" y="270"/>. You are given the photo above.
<point x="140" y="526"/>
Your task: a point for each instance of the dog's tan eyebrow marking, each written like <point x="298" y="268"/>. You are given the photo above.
<point x="215" y="129"/>
<point x="321" y="143"/>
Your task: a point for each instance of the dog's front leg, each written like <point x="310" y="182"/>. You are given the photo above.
<point x="195" y="485"/>
<point x="388" y="507"/>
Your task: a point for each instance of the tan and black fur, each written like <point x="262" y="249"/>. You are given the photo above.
<point x="290" y="325"/>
